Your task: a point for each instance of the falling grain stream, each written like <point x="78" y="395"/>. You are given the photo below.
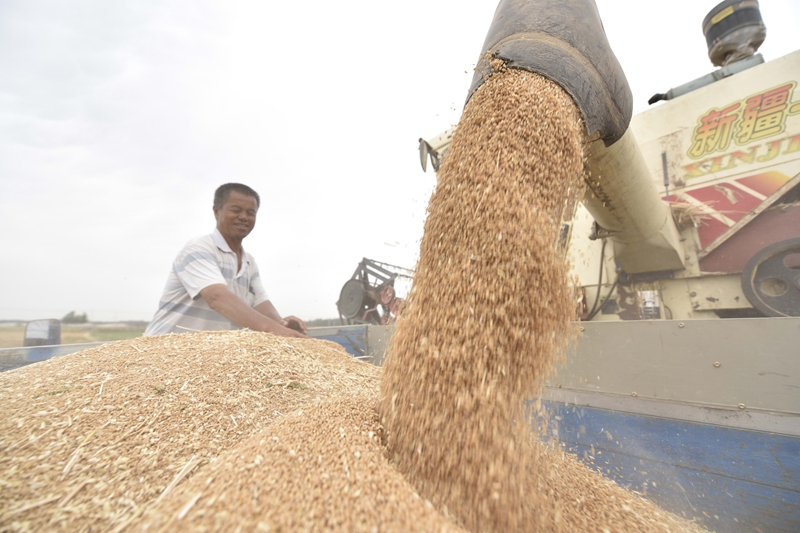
<point x="489" y="315"/>
<point x="491" y="303"/>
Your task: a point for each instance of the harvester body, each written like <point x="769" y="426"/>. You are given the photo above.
<point x="725" y="161"/>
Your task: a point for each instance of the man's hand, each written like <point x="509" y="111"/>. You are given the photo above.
<point x="292" y="322"/>
<point x="288" y="332"/>
<point x="223" y="301"/>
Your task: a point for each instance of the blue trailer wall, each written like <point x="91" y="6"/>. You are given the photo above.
<point x="728" y="479"/>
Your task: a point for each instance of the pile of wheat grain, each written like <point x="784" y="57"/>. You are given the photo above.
<point x="321" y="470"/>
<point x="232" y="431"/>
<point x="89" y="438"/>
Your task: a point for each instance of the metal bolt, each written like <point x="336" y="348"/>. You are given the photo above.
<point x="681" y="325"/>
<point x="634" y="394"/>
<point x="741" y="406"/>
<point x="717" y="364"/>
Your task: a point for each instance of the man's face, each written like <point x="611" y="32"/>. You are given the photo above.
<point x="237" y="217"/>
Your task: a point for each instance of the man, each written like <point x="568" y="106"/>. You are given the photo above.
<point x="215" y="284"/>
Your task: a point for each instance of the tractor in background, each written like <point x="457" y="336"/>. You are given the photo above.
<point x="369" y="296"/>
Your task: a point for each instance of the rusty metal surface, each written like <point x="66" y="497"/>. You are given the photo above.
<point x="717" y="292"/>
<point x="626" y="301"/>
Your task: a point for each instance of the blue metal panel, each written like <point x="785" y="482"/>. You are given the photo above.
<point x="352" y="339"/>
<point x="11" y="358"/>
<point x="728" y="479"/>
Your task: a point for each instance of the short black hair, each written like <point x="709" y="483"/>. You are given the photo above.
<point x="222" y="192"/>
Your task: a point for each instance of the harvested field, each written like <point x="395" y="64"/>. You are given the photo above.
<point x="12" y="335"/>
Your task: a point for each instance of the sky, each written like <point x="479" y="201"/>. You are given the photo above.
<point x="118" y="120"/>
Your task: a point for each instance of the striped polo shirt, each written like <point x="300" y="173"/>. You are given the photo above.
<point x="204" y="261"/>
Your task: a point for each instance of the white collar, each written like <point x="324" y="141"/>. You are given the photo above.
<point x="221" y="243"/>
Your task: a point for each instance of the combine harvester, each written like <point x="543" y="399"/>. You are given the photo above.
<point x="685" y="382"/>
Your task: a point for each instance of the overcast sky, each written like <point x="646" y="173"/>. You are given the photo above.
<point x="118" y="119"/>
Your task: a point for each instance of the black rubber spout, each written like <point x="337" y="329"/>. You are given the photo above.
<point x="564" y="41"/>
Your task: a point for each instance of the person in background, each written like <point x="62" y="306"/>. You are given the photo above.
<point x="214" y="284"/>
